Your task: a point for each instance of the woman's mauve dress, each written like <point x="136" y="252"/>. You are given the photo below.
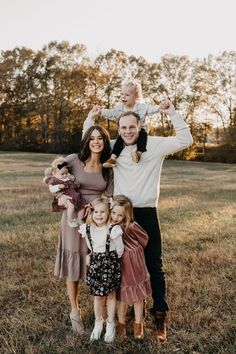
<point x="72" y="249"/>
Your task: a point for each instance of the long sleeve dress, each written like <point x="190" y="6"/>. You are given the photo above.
<point x="135" y="283"/>
<point x="72" y="248"/>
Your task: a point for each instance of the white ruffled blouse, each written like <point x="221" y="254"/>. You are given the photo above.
<point x="99" y="235"/>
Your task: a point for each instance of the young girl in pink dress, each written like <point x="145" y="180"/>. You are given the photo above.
<point x="135" y="284"/>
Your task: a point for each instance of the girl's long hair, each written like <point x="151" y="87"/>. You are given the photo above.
<point x="125" y="202"/>
<point x="85" y="151"/>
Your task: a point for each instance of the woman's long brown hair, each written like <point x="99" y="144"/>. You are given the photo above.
<point x="85" y="152"/>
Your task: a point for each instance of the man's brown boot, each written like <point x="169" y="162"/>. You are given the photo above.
<point x="160" y="326"/>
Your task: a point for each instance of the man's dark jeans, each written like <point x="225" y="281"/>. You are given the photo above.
<point x="148" y="219"/>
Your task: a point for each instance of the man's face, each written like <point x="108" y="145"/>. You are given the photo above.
<point x="129" y="129"/>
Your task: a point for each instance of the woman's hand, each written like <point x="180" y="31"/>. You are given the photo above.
<point x="88" y="259"/>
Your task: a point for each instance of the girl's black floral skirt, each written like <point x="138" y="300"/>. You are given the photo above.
<point x="103" y="274"/>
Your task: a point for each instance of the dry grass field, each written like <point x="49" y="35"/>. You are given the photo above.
<point x="197" y="211"/>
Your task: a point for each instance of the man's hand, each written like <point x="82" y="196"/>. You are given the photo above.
<point x="167" y="107"/>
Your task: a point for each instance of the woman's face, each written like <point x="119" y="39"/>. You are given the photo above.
<point x="96" y="143"/>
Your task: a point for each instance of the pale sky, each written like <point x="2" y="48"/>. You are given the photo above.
<point x="148" y="28"/>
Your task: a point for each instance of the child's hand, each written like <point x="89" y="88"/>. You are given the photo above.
<point x="164" y="105"/>
<point x="167" y="107"/>
<point x="95" y="111"/>
<point x="61" y="186"/>
<point x="98" y="109"/>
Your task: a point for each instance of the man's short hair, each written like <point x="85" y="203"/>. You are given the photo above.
<point x="129" y="113"/>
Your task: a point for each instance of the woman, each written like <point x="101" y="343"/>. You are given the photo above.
<point x="94" y="180"/>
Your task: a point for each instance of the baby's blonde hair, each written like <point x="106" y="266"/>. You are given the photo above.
<point x="135" y="84"/>
<point x="125" y="202"/>
<point x="54" y="165"/>
<point x="101" y="200"/>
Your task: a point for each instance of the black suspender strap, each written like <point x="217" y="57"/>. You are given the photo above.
<point x="89" y="236"/>
<point x="107" y="240"/>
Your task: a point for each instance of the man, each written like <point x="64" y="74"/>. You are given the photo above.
<point x="141" y="183"/>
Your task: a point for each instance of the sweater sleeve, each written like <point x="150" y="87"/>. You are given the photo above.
<point x="182" y="140"/>
<point x="72" y="161"/>
<point x="47" y="177"/>
<point x="71" y="177"/>
<point x="89" y="121"/>
<point x="137" y="232"/>
<point x="82" y="232"/>
<point x="116" y="237"/>
<point x="111" y="114"/>
<point x="152" y="109"/>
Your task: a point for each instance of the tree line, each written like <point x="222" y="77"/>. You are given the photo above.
<point x="45" y="96"/>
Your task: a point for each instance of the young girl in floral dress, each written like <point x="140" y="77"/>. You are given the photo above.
<point x="104" y="240"/>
